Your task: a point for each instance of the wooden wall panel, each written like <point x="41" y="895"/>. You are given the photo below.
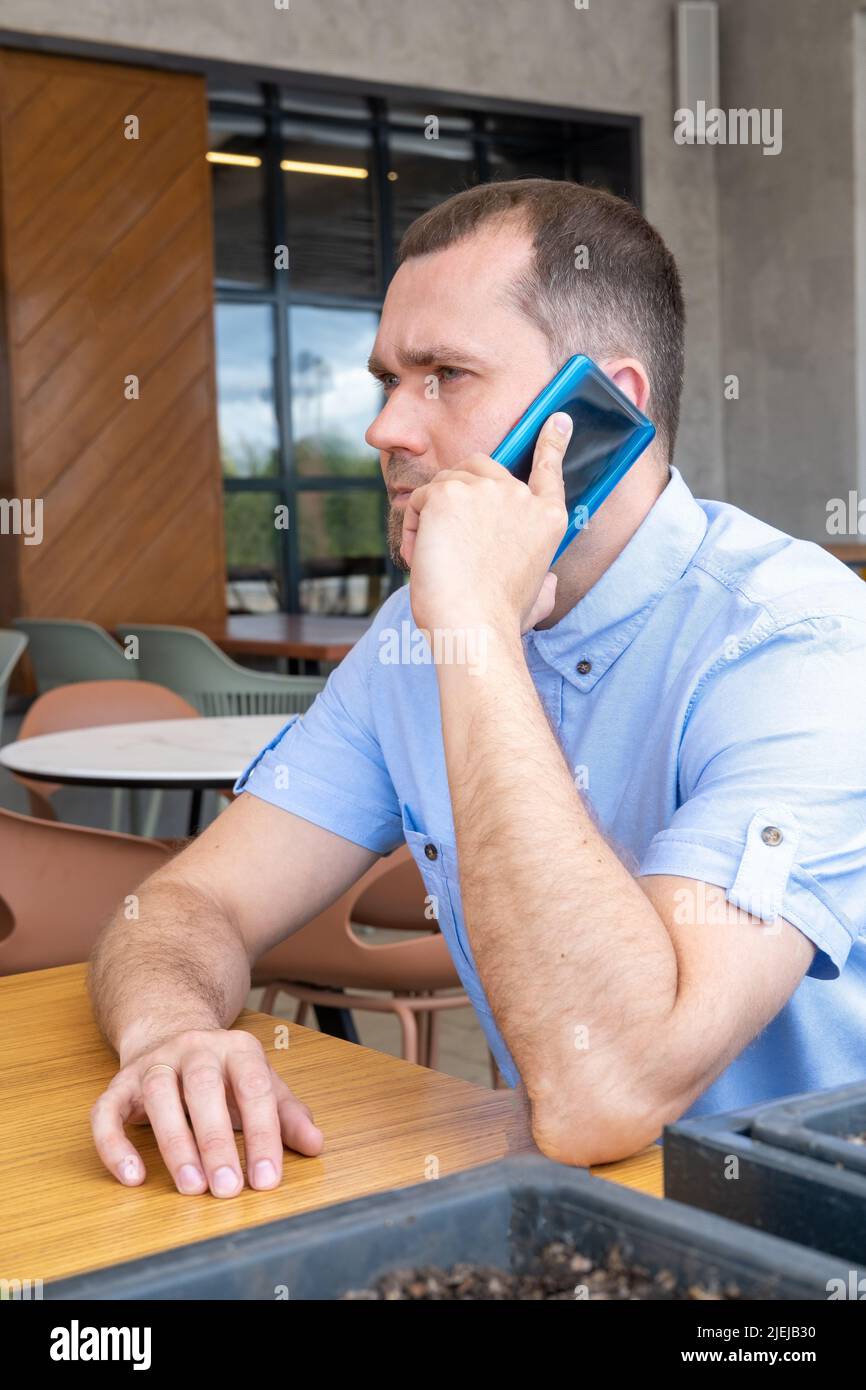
<point x="106" y="270"/>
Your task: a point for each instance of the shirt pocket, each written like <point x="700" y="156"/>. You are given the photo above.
<point x="436" y="861"/>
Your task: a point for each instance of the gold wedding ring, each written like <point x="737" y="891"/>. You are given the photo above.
<point x="154" y="1066"/>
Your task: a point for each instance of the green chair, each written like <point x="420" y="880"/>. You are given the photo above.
<point x="66" y="651"/>
<point x="12" y="644"/>
<point x="190" y="664"/>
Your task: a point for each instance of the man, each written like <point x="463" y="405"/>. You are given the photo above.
<point x="651" y="769"/>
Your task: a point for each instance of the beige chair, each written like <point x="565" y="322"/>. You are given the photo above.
<point x="86" y="705"/>
<point x="327" y="963"/>
<point x="59" y="886"/>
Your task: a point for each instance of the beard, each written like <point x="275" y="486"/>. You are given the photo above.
<point x="401" y="470"/>
<point x="395" y="538"/>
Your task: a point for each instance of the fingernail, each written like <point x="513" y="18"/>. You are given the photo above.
<point x="225" y="1182"/>
<point x="562" y="422"/>
<point x="129" y="1170"/>
<point x="265" y="1173"/>
<point x="189" y="1179"/>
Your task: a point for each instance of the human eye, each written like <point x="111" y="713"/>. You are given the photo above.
<point x="449" y="374"/>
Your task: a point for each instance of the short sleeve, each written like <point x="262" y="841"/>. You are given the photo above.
<point x="772" y="785"/>
<point x="327" y="766"/>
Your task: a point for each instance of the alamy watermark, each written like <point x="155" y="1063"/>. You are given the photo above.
<point x="22" y="516"/>
<point x="439" y="646"/>
<point x="740" y="126"/>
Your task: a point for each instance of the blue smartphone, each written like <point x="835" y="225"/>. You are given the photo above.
<point x="609" y="435"/>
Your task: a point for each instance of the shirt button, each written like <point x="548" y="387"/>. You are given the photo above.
<point x="584" y="667"/>
<point x="431" y="851"/>
<point x="772" y="835"/>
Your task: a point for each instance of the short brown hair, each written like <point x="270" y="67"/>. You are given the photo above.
<point x="627" y="300"/>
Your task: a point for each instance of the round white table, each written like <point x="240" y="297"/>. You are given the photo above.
<point x="190" y="753"/>
<point x="195" y="754"/>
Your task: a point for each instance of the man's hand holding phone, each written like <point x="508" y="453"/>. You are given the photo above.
<point x="194" y="1089"/>
<point x="480" y="542"/>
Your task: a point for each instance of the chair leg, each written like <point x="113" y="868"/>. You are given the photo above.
<point x="410" y="1032"/>
<point x="422" y="1018"/>
<point x="301" y="1011"/>
<point x="269" y="998"/>
<point x="117" y="795"/>
<point x="433" y="1038"/>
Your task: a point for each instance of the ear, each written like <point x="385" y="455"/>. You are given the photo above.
<point x="630" y="376"/>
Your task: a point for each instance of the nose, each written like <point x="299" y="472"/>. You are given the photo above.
<point x="399" y="426"/>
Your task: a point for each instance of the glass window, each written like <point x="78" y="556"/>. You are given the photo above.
<point x="253" y="545"/>
<point x="245" y="387"/>
<point x="327" y="187"/>
<point x="342" y="550"/>
<point x="334" y="398"/>
<point x="604" y="158"/>
<point x="525" y="159"/>
<point x="236" y="150"/>
<point x="424" y="172"/>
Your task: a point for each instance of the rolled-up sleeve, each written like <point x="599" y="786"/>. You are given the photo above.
<point x="327" y="766"/>
<point x="772" y="786"/>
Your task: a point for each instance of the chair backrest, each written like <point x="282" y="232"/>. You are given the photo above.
<point x="64" y="650"/>
<point x="86" y="705"/>
<point x="12" y="644"/>
<point x="60" y="885"/>
<point x="190" y="663"/>
<point x="327" y="952"/>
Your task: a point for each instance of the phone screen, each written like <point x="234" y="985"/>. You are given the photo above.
<point x="601" y="428"/>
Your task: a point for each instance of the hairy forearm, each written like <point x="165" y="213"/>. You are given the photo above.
<point x="579" y="968"/>
<point x="176" y="962"/>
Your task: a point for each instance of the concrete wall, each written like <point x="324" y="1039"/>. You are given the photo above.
<point x="616" y="55"/>
<point x="788" y="256"/>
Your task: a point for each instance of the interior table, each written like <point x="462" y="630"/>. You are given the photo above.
<point x="198" y="754"/>
<point x="293" y="637"/>
<point x="62" y="1213"/>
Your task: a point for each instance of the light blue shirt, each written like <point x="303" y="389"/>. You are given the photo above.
<point x="710" y="694"/>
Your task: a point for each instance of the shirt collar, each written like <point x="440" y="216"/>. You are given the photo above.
<point x="603" y="623"/>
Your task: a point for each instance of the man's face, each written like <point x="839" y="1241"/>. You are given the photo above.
<point x="458" y="362"/>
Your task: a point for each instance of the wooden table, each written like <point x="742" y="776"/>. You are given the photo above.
<point x="61" y="1213"/>
<point x="292" y="636"/>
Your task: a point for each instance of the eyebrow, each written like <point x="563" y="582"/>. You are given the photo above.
<point x="426" y="357"/>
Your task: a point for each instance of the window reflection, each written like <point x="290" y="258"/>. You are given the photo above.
<point x="329" y="215"/>
<point x="334" y="398"/>
<point x="238" y="184"/>
<point x="245" y="382"/>
<point x="342" y="542"/>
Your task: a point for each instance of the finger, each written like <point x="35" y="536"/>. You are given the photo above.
<point x="411" y="518"/>
<point x="204" y="1090"/>
<point x="252" y="1087"/>
<point x="160" y="1093"/>
<point x="545" y="479"/>
<point x="107" y="1118"/>
<point x="544" y="603"/>
<point x="299" y="1130"/>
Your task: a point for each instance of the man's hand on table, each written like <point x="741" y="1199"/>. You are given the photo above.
<point x="194" y="1088"/>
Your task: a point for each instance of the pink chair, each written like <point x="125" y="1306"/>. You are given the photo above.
<point x="60" y="885"/>
<point x="327" y="963"/>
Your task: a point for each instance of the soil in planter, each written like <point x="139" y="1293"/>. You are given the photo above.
<point x="560" y="1274"/>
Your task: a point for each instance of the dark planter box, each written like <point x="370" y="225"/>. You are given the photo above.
<point x="500" y="1214"/>
<point x="796" y="1177"/>
<point x="817" y="1125"/>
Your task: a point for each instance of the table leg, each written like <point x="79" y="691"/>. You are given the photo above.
<point x="195" y="812"/>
